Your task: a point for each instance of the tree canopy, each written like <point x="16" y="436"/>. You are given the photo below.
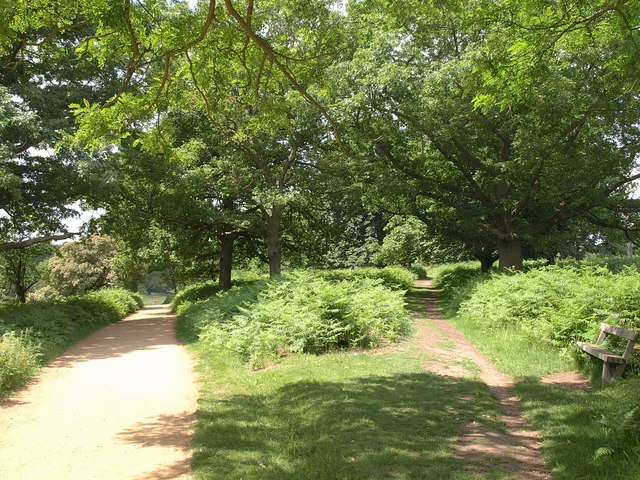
<point x="506" y="128"/>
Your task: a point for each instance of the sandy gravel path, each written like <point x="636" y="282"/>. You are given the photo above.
<point x="118" y="405"/>
<point x="516" y="449"/>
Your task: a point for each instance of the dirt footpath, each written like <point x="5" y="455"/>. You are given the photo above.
<point x="516" y="449"/>
<point x="118" y="405"/>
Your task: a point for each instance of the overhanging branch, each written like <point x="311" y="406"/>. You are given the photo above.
<point x="33" y="241"/>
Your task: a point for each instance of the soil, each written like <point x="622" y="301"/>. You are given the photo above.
<point x="118" y="405"/>
<point x="514" y="449"/>
<point x="570" y="380"/>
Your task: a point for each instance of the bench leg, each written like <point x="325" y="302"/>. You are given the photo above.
<point x="611" y="371"/>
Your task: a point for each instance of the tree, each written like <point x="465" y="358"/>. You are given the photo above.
<point x="30" y="184"/>
<point x="23" y="268"/>
<point x="405" y="242"/>
<point x="79" y="267"/>
<point x="500" y="123"/>
<point x="252" y="134"/>
<point x="41" y="72"/>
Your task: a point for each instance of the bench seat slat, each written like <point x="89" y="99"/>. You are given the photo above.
<point x="601" y="353"/>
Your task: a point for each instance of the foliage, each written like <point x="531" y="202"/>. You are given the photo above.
<point x="496" y="123"/>
<point x="556" y="304"/>
<point x="128" y="269"/>
<point x="356" y="245"/>
<point x="44" y="329"/>
<point x="391" y="277"/>
<point x="614" y="264"/>
<point x="300" y="312"/>
<point x="405" y="242"/>
<point x="456" y="282"/>
<point x="157" y="282"/>
<point x="18" y="360"/>
<point x="194" y="293"/>
<point x="42" y="71"/>
<point x="32" y="186"/>
<point x="22" y="269"/>
<point x="80" y="267"/>
<point x="420" y="271"/>
<point x="107" y="305"/>
<point x="203" y="291"/>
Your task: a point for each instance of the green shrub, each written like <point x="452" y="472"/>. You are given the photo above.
<point x="558" y="304"/>
<point x="49" y="327"/>
<point x="205" y="290"/>
<point x="456" y="283"/>
<point x="194" y="293"/>
<point x="419" y="270"/>
<point x="613" y="264"/>
<point x="18" y="360"/>
<point x="392" y="277"/>
<point x="300" y="312"/>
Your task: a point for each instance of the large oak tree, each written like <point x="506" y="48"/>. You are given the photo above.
<point x="502" y="120"/>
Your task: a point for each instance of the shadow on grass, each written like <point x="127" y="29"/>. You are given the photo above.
<point x="588" y="434"/>
<point x="372" y="427"/>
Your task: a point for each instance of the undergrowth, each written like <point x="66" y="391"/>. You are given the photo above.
<point x="203" y="290"/>
<point x="527" y="323"/>
<point x="299" y="312"/>
<point x="555" y="304"/>
<point x="392" y="277"/>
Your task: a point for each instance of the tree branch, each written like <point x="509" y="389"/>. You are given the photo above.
<point x="273" y="56"/>
<point x="33" y="241"/>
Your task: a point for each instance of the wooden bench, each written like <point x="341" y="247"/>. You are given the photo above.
<point x="614" y="364"/>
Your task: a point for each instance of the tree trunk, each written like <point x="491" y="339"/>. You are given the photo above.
<point x="226" y="239"/>
<point x="21" y="293"/>
<point x="486" y="257"/>
<point x="510" y="254"/>
<point x="226" y="259"/>
<point x="272" y="241"/>
<point x="19" y="279"/>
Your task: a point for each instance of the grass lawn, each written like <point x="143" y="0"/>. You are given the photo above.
<point x="349" y="415"/>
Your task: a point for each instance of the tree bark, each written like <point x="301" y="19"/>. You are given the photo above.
<point x="226" y="238"/>
<point x="33" y="241"/>
<point x="226" y="259"/>
<point x="273" y="241"/>
<point x="486" y="257"/>
<point x="20" y="293"/>
<point x="19" y="274"/>
<point x="510" y="254"/>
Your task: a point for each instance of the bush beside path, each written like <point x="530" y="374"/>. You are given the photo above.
<point x="119" y="404"/>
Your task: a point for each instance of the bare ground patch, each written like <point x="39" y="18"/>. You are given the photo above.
<point x="570" y="380"/>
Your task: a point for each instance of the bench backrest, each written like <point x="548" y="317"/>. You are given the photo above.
<point x="630" y="335"/>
